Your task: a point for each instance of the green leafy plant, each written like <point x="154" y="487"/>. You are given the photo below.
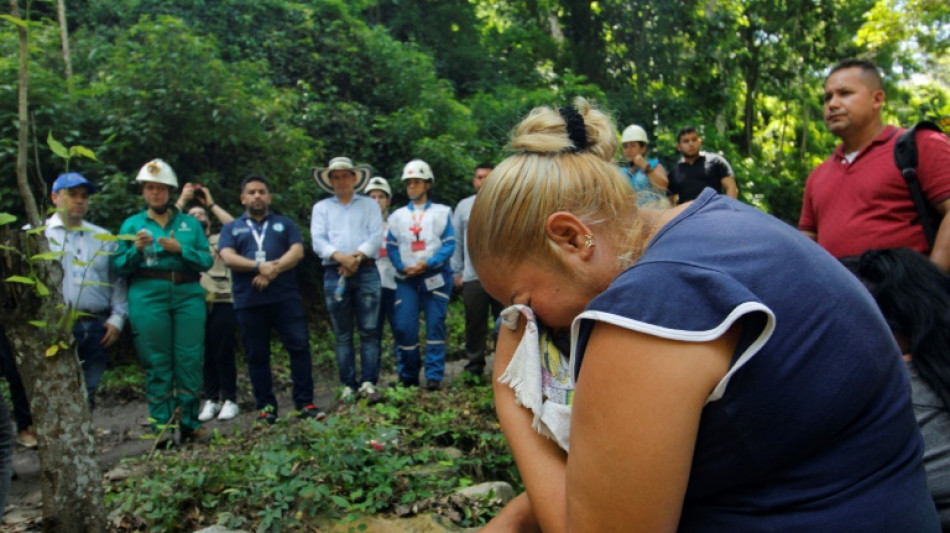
<point x="383" y="459"/>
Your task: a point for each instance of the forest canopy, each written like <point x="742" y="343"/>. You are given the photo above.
<point x="225" y="88"/>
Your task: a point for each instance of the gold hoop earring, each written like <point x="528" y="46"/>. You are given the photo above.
<point x="589" y="240"/>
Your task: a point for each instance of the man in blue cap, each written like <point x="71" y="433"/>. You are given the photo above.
<point x="90" y="285"/>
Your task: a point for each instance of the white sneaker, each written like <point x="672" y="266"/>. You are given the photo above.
<point x="209" y="410"/>
<point x="347" y="395"/>
<point x="368" y="391"/>
<point x="229" y="410"/>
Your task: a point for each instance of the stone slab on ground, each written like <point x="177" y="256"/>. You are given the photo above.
<point x="424" y="523"/>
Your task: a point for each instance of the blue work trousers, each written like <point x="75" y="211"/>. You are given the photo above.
<point x="358" y="305"/>
<point x="411" y="299"/>
<point x="289" y="320"/>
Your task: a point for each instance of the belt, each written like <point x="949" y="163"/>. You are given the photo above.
<point x="96" y="315"/>
<point x="364" y="262"/>
<point x="175" y="277"/>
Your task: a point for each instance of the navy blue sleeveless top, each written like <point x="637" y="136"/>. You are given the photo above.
<point x="812" y="428"/>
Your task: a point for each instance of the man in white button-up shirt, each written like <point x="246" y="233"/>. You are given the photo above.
<point x="89" y="284"/>
<point x="347" y="232"/>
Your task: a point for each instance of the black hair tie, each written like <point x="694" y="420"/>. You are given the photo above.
<point x="576" y="130"/>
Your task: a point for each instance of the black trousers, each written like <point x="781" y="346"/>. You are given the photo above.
<point x="220" y="375"/>
<point x="478" y="304"/>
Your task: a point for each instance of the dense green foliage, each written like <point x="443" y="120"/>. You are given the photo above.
<point x="220" y="89"/>
<point x="227" y="87"/>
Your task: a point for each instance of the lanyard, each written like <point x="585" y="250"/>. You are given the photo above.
<point x="258" y="237"/>
<point x="417" y="216"/>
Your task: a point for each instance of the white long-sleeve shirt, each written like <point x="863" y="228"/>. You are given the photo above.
<point x="461" y="264"/>
<point x="89" y="282"/>
<point x="356" y="226"/>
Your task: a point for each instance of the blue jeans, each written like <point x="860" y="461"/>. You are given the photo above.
<point x="359" y="305"/>
<point x="88" y="333"/>
<point x="289" y="320"/>
<point x="411" y="298"/>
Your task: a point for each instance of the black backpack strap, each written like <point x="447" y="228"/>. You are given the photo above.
<point x="905" y="157"/>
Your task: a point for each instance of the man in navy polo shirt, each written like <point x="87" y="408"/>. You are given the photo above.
<point x="262" y="250"/>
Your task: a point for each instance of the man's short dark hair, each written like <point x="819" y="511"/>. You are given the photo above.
<point x="254" y="177"/>
<point x="485" y="164"/>
<point x="684" y="130"/>
<point x="869" y="71"/>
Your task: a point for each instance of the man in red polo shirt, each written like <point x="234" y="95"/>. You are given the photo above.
<point x="857" y="199"/>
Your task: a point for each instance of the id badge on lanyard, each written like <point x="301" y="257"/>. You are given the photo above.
<point x="260" y="255"/>
<point x="418" y="245"/>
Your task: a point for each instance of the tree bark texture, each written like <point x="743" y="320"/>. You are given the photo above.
<point x="73" y="499"/>
<point x="64" y="36"/>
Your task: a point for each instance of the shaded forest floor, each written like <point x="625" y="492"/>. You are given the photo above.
<point x="122" y="431"/>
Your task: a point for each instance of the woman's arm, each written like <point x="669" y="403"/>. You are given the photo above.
<point x="540" y="461"/>
<point x="516" y="517"/>
<point x="637" y="406"/>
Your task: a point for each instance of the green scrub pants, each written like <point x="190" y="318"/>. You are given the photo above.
<point x="168" y="327"/>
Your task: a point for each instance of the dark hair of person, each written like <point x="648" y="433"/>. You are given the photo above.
<point x="684" y="130"/>
<point x="869" y="71"/>
<point x="485" y="164"/>
<point x="254" y="177"/>
<point x="914" y="297"/>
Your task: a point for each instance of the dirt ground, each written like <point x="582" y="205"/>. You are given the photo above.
<point x="121" y="423"/>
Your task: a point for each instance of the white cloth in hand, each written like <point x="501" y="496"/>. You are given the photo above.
<point x="540" y="378"/>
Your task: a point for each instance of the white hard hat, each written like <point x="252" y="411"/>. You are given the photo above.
<point x="379" y="184"/>
<point x="419" y="169"/>
<point x="158" y="171"/>
<point x="634" y="133"/>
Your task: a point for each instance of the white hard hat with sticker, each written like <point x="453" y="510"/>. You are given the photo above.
<point x="158" y="171"/>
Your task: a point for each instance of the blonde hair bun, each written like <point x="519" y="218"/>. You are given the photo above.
<point x="545" y="131"/>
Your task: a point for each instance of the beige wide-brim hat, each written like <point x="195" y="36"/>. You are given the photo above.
<point x="322" y="175"/>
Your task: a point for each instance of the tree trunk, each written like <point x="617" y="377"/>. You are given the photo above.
<point x="29" y="203"/>
<point x="69" y="472"/>
<point x="73" y="498"/>
<point x="584" y="32"/>
<point x="64" y="36"/>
